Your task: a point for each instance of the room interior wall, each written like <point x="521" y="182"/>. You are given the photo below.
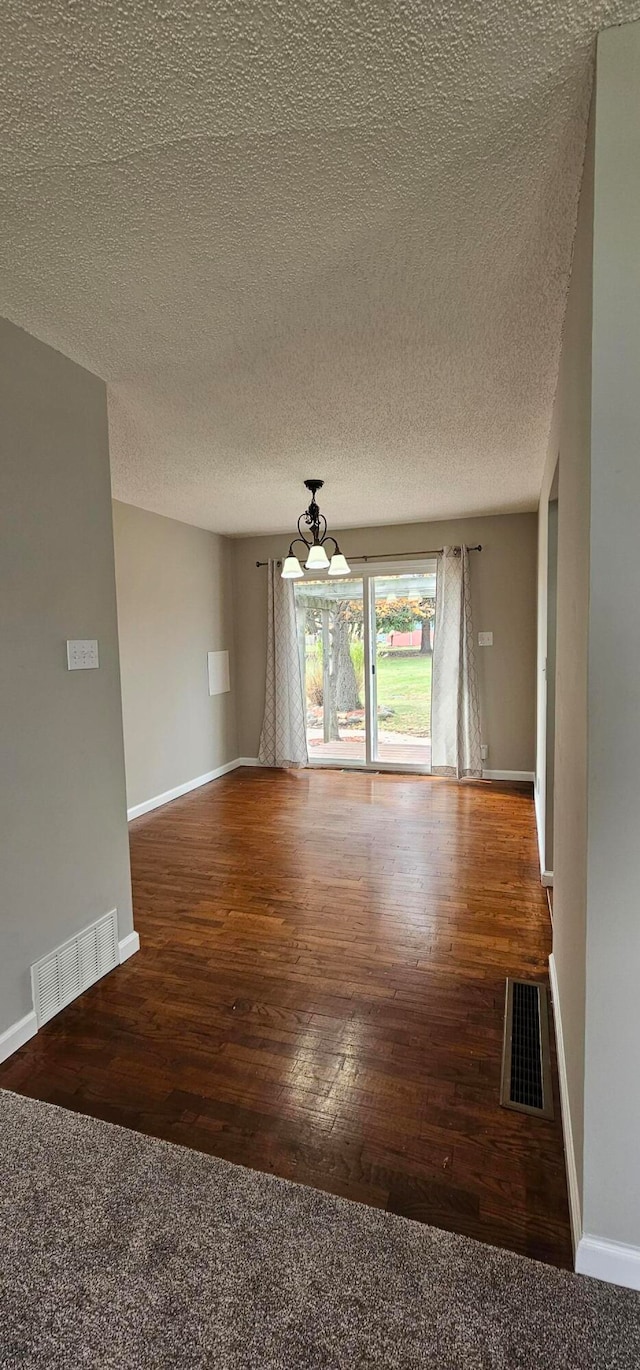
<point x="65" y="857"/>
<point x="569" y="448"/>
<point x="174" y="606"/>
<point x="504" y="602"/>
<point x="612" y="1082"/>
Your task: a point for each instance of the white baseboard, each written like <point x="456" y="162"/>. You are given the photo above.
<point x="128" y="946"/>
<point x="546" y="877"/>
<point x="614" y="1262"/>
<point x="248" y="761"/>
<point x="160" y="799"/>
<point x="16" y="1035"/>
<point x="508" y="775"/>
<point x="575" y="1213"/>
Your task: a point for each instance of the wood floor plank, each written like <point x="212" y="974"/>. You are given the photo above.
<point x="320" y="991"/>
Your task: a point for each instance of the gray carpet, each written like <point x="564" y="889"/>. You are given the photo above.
<point x="119" y="1250"/>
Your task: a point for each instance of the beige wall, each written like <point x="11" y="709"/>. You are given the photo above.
<point x="569" y="440"/>
<point x="596" y="936"/>
<point x="174" y="606"/>
<point x="65" y="856"/>
<point x="504" y="602"/>
<point x="612" y="1058"/>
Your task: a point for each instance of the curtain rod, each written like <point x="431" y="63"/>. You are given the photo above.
<point x="393" y="556"/>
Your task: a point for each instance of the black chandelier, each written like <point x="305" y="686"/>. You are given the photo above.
<point x="317" y="559"/>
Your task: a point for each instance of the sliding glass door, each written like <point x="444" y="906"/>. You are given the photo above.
<point x="403" y="611"/>
<point x="366" y="644"/>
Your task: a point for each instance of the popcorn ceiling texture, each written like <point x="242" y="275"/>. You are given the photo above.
<point x="301" y="239"/>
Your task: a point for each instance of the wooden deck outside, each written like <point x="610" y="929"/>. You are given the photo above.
<point x="393" y="748"/>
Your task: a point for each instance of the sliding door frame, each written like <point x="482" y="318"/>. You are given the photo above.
<point x="368" y="573"/>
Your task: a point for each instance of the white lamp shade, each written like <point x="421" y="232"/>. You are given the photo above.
<point x="317" y="559"/>
<point x="339" y="565"/>
<point x="292" y="569"/>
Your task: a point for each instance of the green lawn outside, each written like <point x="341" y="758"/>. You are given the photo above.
<point x="404" y="685"/>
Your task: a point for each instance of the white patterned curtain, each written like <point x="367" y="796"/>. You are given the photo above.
<point x="283" y="741"/>
<point x="455" y="716"/>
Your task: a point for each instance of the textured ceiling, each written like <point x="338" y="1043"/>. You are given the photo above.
<point x="301" y="239"/>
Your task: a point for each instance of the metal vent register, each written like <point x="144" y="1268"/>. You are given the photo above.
<point x="526" y="1061"/>
<point x="66" y="972"/>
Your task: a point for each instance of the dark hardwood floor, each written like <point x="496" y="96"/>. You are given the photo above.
<point x="320" y="993"/>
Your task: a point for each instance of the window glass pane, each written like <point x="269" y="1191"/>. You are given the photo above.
<point x="330" y="617"/>
<point x="404" y="618"/>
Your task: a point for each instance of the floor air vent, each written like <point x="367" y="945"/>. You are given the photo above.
<point x="526" y="1063"/>
<point x="66" y="972"/>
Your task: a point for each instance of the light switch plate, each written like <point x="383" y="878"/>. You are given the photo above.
<point x="485" y="639"/>
<point x="218" y="668"/>
<point x="82" y="654"/>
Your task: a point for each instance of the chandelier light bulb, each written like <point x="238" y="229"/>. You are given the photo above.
<point x="339" y="565"/>
<point x="317" y="559"/>
<point x="292" y="569"/>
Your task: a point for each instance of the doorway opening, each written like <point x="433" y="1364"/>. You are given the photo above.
<point x="366" y="643"/>
<point x="550" y="669"/>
